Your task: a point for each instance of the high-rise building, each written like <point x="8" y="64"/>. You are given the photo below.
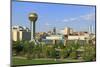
<point x="20" y="33"/>
<point x="54" y="30"/>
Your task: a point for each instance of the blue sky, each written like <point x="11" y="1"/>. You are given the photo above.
<point x="53" y="15"/>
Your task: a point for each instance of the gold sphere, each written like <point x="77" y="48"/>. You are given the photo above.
<point x="33" y="17"/>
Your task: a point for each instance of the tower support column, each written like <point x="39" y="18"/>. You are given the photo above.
<point x="32" y="30"/>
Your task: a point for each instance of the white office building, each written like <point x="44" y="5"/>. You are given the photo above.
<point x="20" y="33"/>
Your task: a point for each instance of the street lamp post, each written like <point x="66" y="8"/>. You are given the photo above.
<point x="33" y="17"/>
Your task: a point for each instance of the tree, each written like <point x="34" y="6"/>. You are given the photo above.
<point x="52" y="52"/>
<point x="62" y="53"/>
<point x="90" y="53"/>
<point x="17" y="47"/>
<point x="73" y="55"/>
<point x="28" y="49"/>
<point x="45" y="49"/>
<point x="73" y="50"/>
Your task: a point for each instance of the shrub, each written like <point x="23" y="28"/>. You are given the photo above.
<point x="89" y="54"/>
<point x="73" y="55"/>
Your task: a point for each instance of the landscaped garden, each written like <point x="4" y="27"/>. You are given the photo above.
<point x="26" y="53"/>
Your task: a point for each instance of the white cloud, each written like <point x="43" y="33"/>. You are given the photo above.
<point x="73" y="19"/>
<point x="47" y="24"/>
<point x="65" y="20"/>
<point x="87" y="17"/>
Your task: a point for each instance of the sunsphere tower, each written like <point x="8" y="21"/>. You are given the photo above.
<point x="33" y="17"/>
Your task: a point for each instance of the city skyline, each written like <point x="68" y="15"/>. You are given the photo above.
<point x="54" y="15"/>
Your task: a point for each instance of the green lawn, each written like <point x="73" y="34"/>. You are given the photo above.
<point x="19" y="61"/>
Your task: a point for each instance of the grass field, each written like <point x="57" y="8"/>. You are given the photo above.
<point x="19" y="61"/>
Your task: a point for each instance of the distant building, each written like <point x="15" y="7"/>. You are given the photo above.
<point x="20" y="33"/>
<point x="71" y="31"/>
<point x="54" y="30"/>
<point x="70" y="37"/>
<point x="54" y="37"/>
<point x="66" y="31"/>
<point x="76" y="37"/>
